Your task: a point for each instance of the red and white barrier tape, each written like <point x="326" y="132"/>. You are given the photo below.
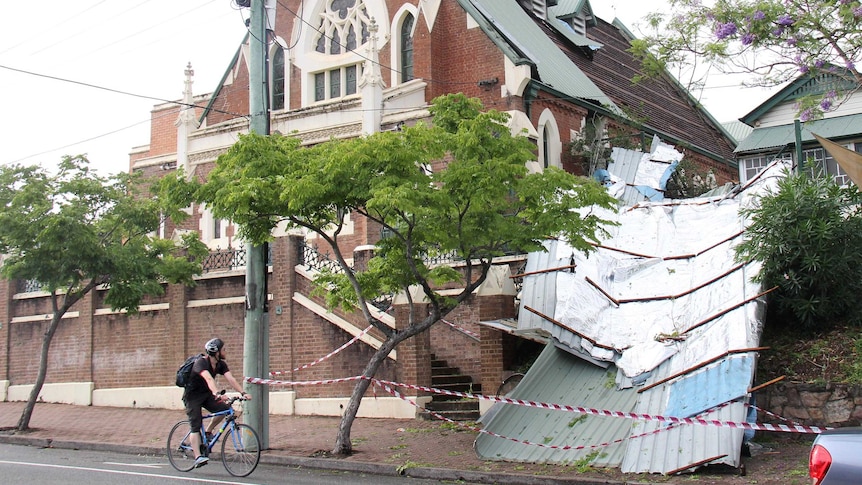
<point x="339" y="349"/>
<point x="461" y="329"/>
<point x="274" y="382"/>
<point x="540" y="445"/>
<point x="559" y="407"/>
<point x="619" y="414"/>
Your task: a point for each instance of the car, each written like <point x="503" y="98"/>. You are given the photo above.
<point x="836" y="457"/>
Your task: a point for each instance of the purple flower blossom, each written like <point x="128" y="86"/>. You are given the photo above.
<point x="759" y="15"/>
<point x="748" y="38"/>
<point x="826" y="104"/>
<point x="803" y="69"/>
<point x="857" y="11"/>
<point x="832" y="94"/>
<point x="850" y="65"/>
<point x="791" y="41"/>
<point x="785" y="20"/>
<point x="725" y="30"/>
<point x="778" y="32"/>
<point x="819" y="63"/>
<point x="805" y="115"/>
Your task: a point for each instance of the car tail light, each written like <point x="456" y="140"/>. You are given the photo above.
<point x="818" y="463"/>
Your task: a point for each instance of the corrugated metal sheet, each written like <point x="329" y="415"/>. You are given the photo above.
<point x="777" y="136"/>
<point x="566" y="7"/>
<point x="737" y="130"/>
<point x="559" y="377"/>
<point x="554" y="68"/>
<point x="625" y="166"/>
<point x="706" y="304"/>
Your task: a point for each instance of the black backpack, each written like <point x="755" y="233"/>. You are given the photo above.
<point x="184" y="373"/>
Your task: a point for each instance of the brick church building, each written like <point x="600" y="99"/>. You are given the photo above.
<point x="346" y="68"/>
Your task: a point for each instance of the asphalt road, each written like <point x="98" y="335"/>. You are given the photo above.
<point x="25" y="465"/>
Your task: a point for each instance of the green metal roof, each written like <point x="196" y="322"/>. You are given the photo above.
<point x="566" y="8"/>
<point x="518" y="36"/>
<point x="559" y="377"/>
<point x="777" y="136"/>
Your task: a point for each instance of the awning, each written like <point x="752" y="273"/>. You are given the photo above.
<point x="850" y="161"/>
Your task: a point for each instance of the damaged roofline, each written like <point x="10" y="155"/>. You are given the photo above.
<point x="535" y="86"/>
<point x="221" y="82"/>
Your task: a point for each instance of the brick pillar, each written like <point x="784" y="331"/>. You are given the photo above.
<point x="179" y="348"/>
<point x="361" y="256"/>
<point x="414" y="354"/>
<point x="86" y="308"/>
<point x="491" y="355"/>
<point x="7" y="289"/>
<point x="282" y="286"/>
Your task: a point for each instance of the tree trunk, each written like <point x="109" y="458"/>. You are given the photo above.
<point x="343" y="446"/>
<point x="24" y="422"/>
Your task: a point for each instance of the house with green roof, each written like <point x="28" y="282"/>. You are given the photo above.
<point x="777" y="124"/>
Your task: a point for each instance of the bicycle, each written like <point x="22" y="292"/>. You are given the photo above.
<point x="240" y="449"/>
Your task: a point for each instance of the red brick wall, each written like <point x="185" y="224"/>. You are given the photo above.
<point x="163" y="131"/>
<point x="458" y="66"/>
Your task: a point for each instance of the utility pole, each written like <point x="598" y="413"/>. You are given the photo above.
<point x="256" y="338"/>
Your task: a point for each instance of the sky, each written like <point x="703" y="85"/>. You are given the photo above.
<point x="81" y="77"/>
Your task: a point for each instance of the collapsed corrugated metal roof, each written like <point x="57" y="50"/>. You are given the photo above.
<point x="664" y="308"/>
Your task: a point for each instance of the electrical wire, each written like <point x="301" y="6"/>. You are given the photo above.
<point x="148" y="120"/>
<point x="54" y="27"/>
<point x="81" y="83"/>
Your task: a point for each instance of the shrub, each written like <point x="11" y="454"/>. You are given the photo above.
<point x="808" y="236"/>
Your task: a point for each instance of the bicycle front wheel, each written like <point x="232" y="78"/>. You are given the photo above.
<point x="240" y="450"/>
<point x="179" y="449"/>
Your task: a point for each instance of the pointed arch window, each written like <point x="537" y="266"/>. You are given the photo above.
<point x="278" y="79"/>
<point x="546" y="147"/>
<point x="407" y="48"/>
<point x="339" y="23"/>
<point x="343" y="28"/>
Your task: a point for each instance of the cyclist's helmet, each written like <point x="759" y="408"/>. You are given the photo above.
<point x="213" y="346"/>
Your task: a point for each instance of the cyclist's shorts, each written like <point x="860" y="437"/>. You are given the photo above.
<point x="194" y="405"/>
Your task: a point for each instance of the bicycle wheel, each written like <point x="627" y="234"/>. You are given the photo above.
<point x="240" y="450"/>
<point x="180" y="452"/>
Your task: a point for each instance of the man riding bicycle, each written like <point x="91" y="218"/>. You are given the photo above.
<point x="202" y="393"/>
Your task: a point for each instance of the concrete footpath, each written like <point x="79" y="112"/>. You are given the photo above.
<point x="415" y="448"/>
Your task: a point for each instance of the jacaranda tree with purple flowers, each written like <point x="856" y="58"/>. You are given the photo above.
<point x="773" y="41"/>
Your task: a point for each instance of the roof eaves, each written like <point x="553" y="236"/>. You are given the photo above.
<point x="614" y="112"/>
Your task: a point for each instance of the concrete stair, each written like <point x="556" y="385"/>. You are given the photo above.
<point x="452" y="407"/>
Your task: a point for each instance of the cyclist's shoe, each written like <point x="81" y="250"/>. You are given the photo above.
<point x="201" y="461"/>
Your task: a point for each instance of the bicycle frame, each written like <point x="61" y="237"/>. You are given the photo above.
<point x="230" y="421"/>
<point x="240" y="453"/>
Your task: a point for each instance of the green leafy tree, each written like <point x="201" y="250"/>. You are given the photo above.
<point x="770" y="41"/>
<point x="73" y="231"/>
<point x="808" y="236"/>
<point x="478" y="205"/>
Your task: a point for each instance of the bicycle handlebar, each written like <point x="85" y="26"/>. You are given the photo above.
<point x="232" y="399"/>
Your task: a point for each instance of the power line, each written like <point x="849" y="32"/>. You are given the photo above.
<point x="81" y="83"/>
